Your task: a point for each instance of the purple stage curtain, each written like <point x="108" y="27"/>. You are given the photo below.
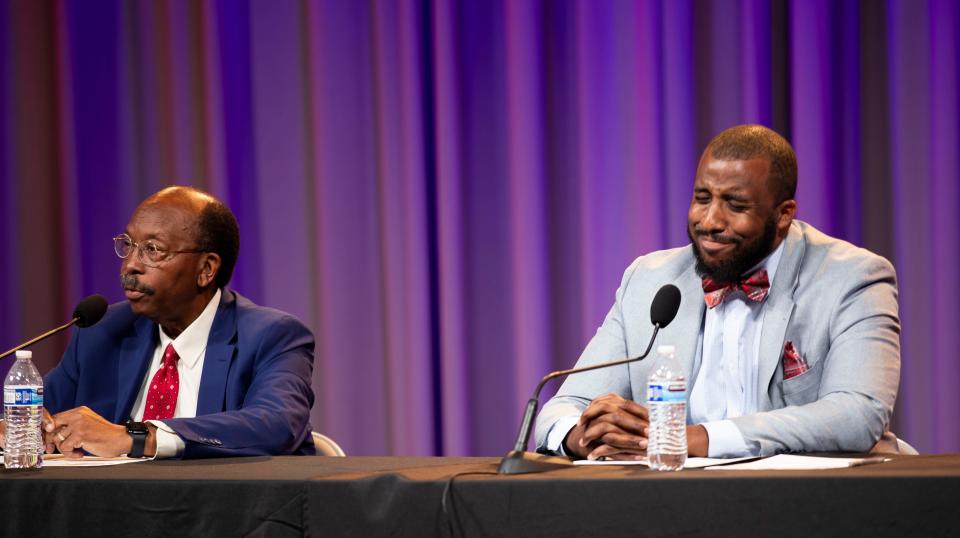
<point x="447" y="193"/>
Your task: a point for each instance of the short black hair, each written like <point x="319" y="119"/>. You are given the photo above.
<point x="752" y="141"/>
<point x="218" y="232"/>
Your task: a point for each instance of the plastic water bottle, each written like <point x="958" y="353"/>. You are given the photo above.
<point x="23" y="411"/>
<point x="667" y="403"/>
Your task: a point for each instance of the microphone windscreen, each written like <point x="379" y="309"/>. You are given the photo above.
<point x="665" y="305"/>
<point x="90" y="310"/>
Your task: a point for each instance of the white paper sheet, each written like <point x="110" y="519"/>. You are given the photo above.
<point x="59" y="460"/>
<point x="691" y="463"/>
<point x="793" y="462"/>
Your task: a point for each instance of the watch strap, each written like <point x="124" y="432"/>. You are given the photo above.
<point x="138" y="432"/>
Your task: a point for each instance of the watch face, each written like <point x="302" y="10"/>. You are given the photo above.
<point x="136" y="427"/>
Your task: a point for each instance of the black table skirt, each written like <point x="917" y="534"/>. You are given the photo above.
<point x="393" y="496"/>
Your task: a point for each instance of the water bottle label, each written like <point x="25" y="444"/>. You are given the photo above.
<point x="22" y="395"/>
<point x="675" y="392"/>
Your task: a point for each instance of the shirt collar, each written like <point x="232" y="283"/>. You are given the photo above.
<point x="770" y="263"/>
<point x="192" y="342"/>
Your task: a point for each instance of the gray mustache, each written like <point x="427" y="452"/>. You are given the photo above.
<point x="131" y="282"/>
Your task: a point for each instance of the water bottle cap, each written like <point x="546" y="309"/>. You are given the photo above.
<point x="24" y="354"/>
<point x="666" y="349"/>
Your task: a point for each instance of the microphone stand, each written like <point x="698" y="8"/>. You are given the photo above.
<point x="39" y="338"/>
<point x="518" y="460"/>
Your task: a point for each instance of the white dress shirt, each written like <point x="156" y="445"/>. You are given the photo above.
<point x="727" y="384"/>
<point x="191" y="347"/>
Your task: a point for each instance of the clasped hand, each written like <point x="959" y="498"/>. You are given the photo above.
<point x="81" y="430"/>
<point x="611" y="427"/>
<point x="615" y="428"/>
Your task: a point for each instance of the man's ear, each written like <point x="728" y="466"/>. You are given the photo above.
<point x="786" y="211"/>
<point x="209" y="266"/>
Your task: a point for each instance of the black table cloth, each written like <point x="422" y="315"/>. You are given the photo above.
<point x="395" y="496"/>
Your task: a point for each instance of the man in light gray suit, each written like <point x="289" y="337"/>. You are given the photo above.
<point x="789" y="338"/>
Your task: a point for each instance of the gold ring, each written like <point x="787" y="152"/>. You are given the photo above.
<point x="61" y="437"/>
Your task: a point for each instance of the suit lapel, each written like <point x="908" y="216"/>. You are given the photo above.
<point x="136" y="353"/>
<point x="778" y="310"/>
<point x="216" y="363"/>
<point x="684" y="332"/>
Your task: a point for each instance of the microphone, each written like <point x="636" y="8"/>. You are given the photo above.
<point x="88" y="312"/>
<point x="664" y="308"/>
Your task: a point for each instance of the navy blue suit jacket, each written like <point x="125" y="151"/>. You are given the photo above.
<point x="255" y="394"/>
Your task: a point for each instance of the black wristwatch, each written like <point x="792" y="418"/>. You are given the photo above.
<point x="138" y="432"/>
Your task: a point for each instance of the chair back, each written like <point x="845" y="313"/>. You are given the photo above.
<point x="905" y="448"/>
<point x="327" y="446"/>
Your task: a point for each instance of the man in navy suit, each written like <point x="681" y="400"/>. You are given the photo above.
<point x="184" y="368"/>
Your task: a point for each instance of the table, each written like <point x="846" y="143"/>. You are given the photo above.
<point x="376" y="496"/>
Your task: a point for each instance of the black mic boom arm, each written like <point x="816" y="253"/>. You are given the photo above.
<point x="519" y="460"/>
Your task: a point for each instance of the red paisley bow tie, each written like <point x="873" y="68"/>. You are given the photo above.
<point x="755" y="286"/>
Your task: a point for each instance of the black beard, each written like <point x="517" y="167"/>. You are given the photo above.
<point x="749" y="255"/>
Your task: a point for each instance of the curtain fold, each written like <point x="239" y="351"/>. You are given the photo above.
<point x="448" y="192"/>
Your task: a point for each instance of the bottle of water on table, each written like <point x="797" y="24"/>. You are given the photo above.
<point x="23" y="411"/>
<point x="667" y="404"/>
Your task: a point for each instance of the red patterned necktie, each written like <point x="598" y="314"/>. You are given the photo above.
<point x="164" y="387"/>
<point x="755" y="286"/>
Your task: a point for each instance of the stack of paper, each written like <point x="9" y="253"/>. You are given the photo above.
<point x="789" y="462"/>
<point x="692" y="463"/>
<point x="59" y="460"/>
<point x="793" y="462"/>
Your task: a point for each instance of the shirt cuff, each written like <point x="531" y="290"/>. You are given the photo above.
<point x="559" y="432"/>
<point x="169" y="444"/>
<point x="726" y="441"/>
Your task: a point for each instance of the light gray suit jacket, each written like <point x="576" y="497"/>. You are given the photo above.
<point x="835" y="302"/>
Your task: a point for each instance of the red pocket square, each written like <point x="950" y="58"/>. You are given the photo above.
<point x="793" y="363"/>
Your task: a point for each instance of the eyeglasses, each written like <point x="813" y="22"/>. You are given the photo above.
<point x="148" y="251"/>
